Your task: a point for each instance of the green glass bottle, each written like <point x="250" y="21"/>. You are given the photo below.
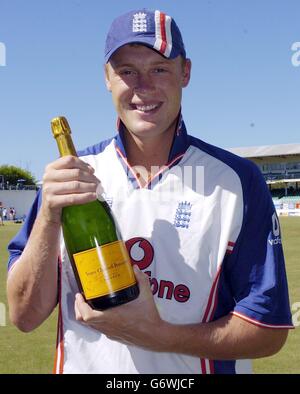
<point x="98" y="256"/>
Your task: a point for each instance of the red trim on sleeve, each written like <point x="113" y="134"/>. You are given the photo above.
<point x="258" y="323"/>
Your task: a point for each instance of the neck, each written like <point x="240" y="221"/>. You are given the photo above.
<point x="148" y="152"/>
<point x="148" y="155"/>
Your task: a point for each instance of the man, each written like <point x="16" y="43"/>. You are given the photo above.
<point x="1" y="214"/>
<point x="213" y="292"/>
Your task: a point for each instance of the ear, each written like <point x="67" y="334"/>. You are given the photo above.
<point x="107" y="78"/>
<point x="186" y="75"/>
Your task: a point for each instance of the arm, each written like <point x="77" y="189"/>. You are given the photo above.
<point x="228" y="338"/>
<point x="32" y="282"/>
<point x="138" y="323"/>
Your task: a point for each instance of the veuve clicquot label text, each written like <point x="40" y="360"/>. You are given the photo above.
<point x="104" y="270"/>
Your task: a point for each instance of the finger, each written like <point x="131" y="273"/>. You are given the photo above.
<point x="77" y="313"/>
<point x="61" y="201"/>
<point x="72" y="174"/>
<point x="140" y="275"/>
<point x="72" y="187"/>
<point x="84" y="309"/>
<point x="66" y="162"/>
<point x="142" y="280"/>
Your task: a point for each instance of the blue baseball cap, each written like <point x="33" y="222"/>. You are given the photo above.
<point x="154" y="29"/>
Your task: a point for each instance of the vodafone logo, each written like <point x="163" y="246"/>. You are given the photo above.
<point x="275" y="223"/>
<point x="276" y="231"/>
<point x="141" y="253"/>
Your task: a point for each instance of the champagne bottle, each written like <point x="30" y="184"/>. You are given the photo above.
<point x="98" y="256"/>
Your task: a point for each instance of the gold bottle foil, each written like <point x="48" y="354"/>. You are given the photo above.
<point x="62" y="133"/>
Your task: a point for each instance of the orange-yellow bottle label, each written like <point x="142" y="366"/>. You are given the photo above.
<point x="104" y="270"/>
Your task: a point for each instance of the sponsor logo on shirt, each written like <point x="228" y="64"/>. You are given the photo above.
<point x="275" y="230"/>
<point x="141" y="253"/>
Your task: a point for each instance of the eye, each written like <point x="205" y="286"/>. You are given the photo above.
<point x="127" y="72"/>
<point x="159" y="70"/>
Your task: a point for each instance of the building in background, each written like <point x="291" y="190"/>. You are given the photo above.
<point x="280" y="166"/>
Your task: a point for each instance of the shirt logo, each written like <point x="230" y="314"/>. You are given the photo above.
<point x="183" y="215"/>
<point x="141" y="252"/>
<point x="139" y="22"/>
<point x="276" y="231"/>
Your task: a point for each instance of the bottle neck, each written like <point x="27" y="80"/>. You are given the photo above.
<point x="65" y="145"/>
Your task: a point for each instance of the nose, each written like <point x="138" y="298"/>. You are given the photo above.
<point x="144" y="84"/>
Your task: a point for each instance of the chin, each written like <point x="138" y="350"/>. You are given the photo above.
<point x="145" y="133"/>
<point x="144" y="129"/>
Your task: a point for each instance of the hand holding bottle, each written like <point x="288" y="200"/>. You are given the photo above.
<point x="67" y="181"/>
<point x="135" y="323"/>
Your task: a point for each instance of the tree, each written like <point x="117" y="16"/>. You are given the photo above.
<point x="13" y="175"/>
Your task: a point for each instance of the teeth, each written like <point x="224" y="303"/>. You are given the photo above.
<point x="146" y="108"/>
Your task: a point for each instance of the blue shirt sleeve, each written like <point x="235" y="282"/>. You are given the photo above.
<point x="256" y="267"/>
<point x="17" y="244"/>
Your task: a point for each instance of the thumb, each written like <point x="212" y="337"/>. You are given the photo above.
<point x="142" y="280"/>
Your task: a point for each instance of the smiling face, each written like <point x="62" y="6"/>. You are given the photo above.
<point x="146" y="89"/>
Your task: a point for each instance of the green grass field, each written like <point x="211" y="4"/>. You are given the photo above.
<point x="23" y="353"/>
<point x="33" y="353"/>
